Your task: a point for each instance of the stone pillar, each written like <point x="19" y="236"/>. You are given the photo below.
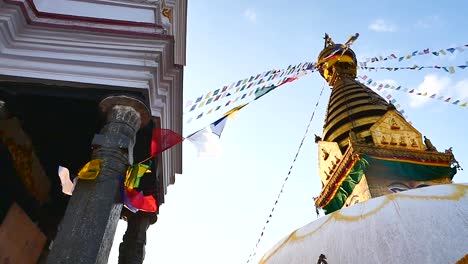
<point x="3" y="110"/>
<point x="87" y="231"/>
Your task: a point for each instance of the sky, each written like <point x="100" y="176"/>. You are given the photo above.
<point x="217" y="208"/>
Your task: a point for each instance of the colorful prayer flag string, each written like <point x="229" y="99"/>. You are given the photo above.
<point x="243" y="92"/>
<point x="413" y="54"/>
<point x="449" y="69"/>
<point x="254" y="251"/>
<point x="241" y="85"/>
<point x="385" y="94"/>
<point x="435" y="96"/>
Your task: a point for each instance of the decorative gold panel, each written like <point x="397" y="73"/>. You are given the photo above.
<point x="329" y="157"/>
<point x="393" y="131"/>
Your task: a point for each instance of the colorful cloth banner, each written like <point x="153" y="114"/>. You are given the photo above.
<point x="136" y="201"/>
<point x="413" y="54"/>
<point x="134" y="174"/>
<point x="163" y="139"/>
<point x="446" y="99"/>
<point x="90" y="170"/>
<point x="249" y="89"/>
<point x="449" y="69"/>
<point x="247" y="83"/>
<point x="218" y="126"/>
<point x="385" y="94"/>
<point x="206" y="142"/>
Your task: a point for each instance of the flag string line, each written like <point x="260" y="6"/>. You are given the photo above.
<point x="254" y="251"/>
<point x="450" y="69"/>
<point x="413" y="54"/>
<point x="435" y="96"/>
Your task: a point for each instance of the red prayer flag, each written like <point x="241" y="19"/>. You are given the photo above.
<point x="163" y="139"/>
<point x="141" y="202"/>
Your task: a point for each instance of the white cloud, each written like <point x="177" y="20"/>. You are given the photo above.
<point x="441" y="86"/>
<point x="428" y="22"/>
<point x="462" y="89"/>
<point x="381" y="25"/>
<point x="250" y="14"/>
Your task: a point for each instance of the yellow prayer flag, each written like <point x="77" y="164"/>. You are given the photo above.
<point x="202" y="104"/>
<point x="231" y="114"/>
<point x="133" y="175"/>
<point x="208" y="95"/>
<point x="464" y="104"/>
<point x="90" y="170"/>
<point x="209" y="111"/>
<point x="451" y="70"/>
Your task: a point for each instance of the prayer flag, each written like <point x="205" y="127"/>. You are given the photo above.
<point x="141" y="202"/>
<point x="90" y="170"/>
<point x="134" y="174"/>
<point x="163" y="139"/>
<point x="218" y="126"/>
<point x="206" y="142"/>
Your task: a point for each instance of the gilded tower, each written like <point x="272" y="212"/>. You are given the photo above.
<point x="367" y="148"/>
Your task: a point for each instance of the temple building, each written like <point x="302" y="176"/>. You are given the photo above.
<point x="367" y="148"/>
<point x="373" y="164"/>
<point x="82" y="80"/>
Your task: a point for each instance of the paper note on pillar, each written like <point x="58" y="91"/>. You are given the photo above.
<point x="90" y="171"/>
<point x="67" y="184"/>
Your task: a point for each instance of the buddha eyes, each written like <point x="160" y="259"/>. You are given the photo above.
<point x="396" y="187"/>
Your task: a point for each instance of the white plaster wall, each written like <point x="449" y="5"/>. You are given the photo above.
<point x="98" y="9"/>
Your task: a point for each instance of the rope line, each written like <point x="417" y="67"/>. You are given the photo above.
<point x="254" y="251"/>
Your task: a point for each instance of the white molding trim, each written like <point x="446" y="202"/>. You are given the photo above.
<point x="79" y="54"/>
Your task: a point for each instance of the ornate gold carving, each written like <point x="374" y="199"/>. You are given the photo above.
<point x="402" y="141"/>
<point x="383" y="140"/>
<point x="397" y="132"/>
<point x="394" y="125"/>
<point x="325" y="154"/>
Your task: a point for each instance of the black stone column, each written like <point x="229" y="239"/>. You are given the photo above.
<point x="3" y="110"/>
<point x="87" y="231"/>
